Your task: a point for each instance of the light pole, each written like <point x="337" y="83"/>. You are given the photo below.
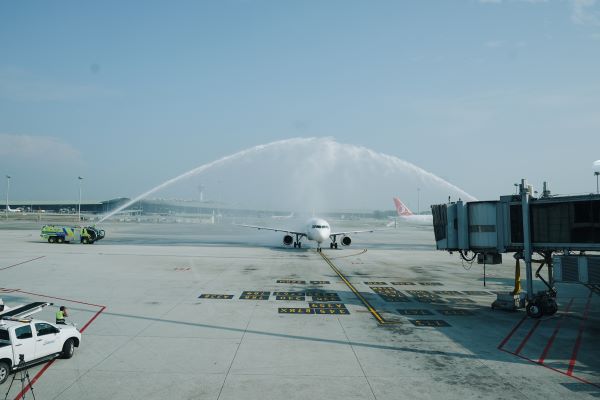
<point x="79" y="207"/>
<point x="596" y="167"/>
<point x="7" y="190"/>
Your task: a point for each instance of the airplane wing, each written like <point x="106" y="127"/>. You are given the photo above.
<point x="349" y="232"/>
<point x="266" y="228"/>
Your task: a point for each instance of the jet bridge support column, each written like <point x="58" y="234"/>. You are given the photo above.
<point x="527" y="238"/>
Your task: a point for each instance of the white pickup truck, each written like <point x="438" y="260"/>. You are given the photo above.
<point x="24" y="342"/>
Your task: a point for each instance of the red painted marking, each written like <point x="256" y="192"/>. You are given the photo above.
<point x="551" y="340"/>
<point x="507" y="338"/>
<point x="49" y="363"/>
<point x="92" y="319"/>
<point x="578" y="342"/>
<point x="553" y="369"/>
<point x="35" y="378"/>
<point x="533" y="328"/>
<point x="24" y="262"/>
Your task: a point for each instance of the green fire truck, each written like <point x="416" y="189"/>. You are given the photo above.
<point x="67" y="234"/>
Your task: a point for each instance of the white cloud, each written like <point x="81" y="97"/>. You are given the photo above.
<point x="31" y="147"/>
<point x="20" y="85"/>
<point x="585" y="12"/>
<point x="513" y="1"/>
<point x="494" y="44"/>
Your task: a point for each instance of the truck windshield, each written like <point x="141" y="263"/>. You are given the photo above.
<point x="4" y="339"/>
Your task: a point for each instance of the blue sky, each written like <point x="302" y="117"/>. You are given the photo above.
<point x="129" y="94"/>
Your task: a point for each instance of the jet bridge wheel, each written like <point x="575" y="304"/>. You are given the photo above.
<point x="544" y="303"/>
<point x="549" y="306"/>
<point x="534" y="310"/>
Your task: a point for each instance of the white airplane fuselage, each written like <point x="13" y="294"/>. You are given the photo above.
<point x="317" y="229"/>
<point x="417" y="219"/>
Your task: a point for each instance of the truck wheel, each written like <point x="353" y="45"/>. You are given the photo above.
<point x="51" y="239"/>
<point x="85" y="241"/>
<point x="4" y="371"/>
<point x="68" y="349"/>
<point x="60" y="240"/>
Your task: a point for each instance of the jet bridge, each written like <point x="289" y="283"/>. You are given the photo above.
<point x="559" y="229"/>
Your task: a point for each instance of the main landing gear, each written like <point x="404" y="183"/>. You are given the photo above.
<point x="297" y="242"/>
<point x="333" y="244"/>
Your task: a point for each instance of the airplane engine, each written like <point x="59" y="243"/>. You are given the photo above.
<point x="346" y="241"/>
<point x="288" y="240"/>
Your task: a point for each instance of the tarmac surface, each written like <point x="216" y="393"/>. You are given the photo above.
<point x="194" y="311"/>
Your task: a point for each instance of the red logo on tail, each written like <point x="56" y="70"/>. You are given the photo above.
<point x="402" y="210"/>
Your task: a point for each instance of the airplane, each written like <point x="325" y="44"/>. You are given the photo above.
<point x="283" y="216"/>
<point x="15" y="210"/>
<point x="407" y="216"/>
<point x="316" y="229"/>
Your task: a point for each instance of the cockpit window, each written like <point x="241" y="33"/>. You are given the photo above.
<point x="320" y="227"/>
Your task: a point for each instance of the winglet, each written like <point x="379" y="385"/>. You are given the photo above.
<point x="402" y="210"/>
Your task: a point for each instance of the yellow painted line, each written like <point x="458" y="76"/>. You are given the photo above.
<point x="350" y="255"/>
<point x="372" y="310"/>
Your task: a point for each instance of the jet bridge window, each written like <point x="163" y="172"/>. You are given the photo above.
<point x="23" y="332"/>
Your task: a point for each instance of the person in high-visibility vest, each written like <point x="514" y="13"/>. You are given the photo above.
<point x="61" y="314"/>
<point x="84" y="235"/>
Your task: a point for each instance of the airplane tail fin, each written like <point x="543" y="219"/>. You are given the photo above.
<point x="402" y="210"/>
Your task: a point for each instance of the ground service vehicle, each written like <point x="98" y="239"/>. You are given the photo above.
<point x="67" y="234"/>
<point x="24" y="341"/>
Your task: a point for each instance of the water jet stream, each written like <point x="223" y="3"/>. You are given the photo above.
<point x="322" y="155"/>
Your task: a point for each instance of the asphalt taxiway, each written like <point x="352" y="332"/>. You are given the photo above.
<point x="195" y="311"/>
